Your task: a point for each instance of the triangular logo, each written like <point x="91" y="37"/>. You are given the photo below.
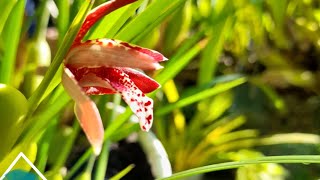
<point x="22" y="174"/>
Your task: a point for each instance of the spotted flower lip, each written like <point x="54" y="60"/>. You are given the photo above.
<point x="108" y="66"/>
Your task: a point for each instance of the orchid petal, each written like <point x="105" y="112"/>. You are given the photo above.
<point x="97" y="13"/>
<point x="86" y="111"/>
<point x="113" y="53"/>
<point x="95" y="80"/>
<point x="94" y="85"/>
<point x="144" y="82"/>
<point x="140" y="104"/>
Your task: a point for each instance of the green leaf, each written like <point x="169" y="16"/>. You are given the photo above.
<point x="278" y="9"/>
<point x="10" y="37"/>
<point x="211" y="53"/>
<point x="57" y="102"/>
<point x="146" y="21"/>
<point x="200" y="94"/>
<point x="219" y="25"/>
<point x="63" y="18"/>
<point x="122" y="173"/>
<point x="232" y="165"/>
<point x="5" y="9"/>
<point x="178" y="27"/>
<point x="181" y="58"/>
<point x="110" y="24"/>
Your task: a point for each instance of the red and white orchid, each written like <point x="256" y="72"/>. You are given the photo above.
<point x="107" y="66"/>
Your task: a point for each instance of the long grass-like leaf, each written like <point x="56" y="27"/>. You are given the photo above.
<point x="203" y="94"/>
<point x="5" y="9"/>
<point x="219" y="25"/>
<point x="146" y="20"/>
<point x="231" y="165"/>
<point x="122" y="173"/>
<point x="63" y="18"/>
<point x="178" y="62"/>
<point x="10" y="37"/>
<point x="111" y="23"/>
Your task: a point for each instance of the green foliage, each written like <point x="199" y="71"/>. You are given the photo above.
<point x="13" y="107"/>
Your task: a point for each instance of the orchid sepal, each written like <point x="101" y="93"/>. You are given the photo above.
<point x="113" y="53"/>
<point x="86" y="111"/>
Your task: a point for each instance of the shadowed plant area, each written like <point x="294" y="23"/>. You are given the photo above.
<point x="161" y="89"/>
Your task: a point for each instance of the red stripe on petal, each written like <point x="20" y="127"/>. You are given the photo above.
<point x="144" y="83"/>
<point x="110" y="53"/>
<point x="158" y="57"/>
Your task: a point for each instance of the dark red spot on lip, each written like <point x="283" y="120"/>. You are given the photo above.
<point x="147" y="103"/>
<point x="144" y="128"/>
<point x="149" y="119"/>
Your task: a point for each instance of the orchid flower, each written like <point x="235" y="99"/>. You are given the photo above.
<point x="107" y="66"/>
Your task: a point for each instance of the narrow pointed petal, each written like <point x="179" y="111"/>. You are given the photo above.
<point x="97" y="13"/>
<point x="113" y="53"/>
<point x="86" y="111"/>
<point x="144" y="82"/>
<point x="141" y="105"/>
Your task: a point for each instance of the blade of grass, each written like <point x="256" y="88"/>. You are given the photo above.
<point x="5" y="9"/>
<point x="219" y="88"/>
<point x="111" y="23"/>
<point x="177" y="63"/>
<point x="65" y="152"/>
<point x="178" y="27"/>
<point x="10" y="37"/>
<point x="42" y="156"/>
<point x="103" y="161"/>
<point x="46" y="115"/>
<point x="211" y="53"/>
<point x="122" y="173"/>
<point x="173" y="96"/>
<point x="147" y="19"/>
<point x="62" y="19"/>
<point x="219" y="23"/>
<point x="157" y="21"/>
<point x="304" y="159"/>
